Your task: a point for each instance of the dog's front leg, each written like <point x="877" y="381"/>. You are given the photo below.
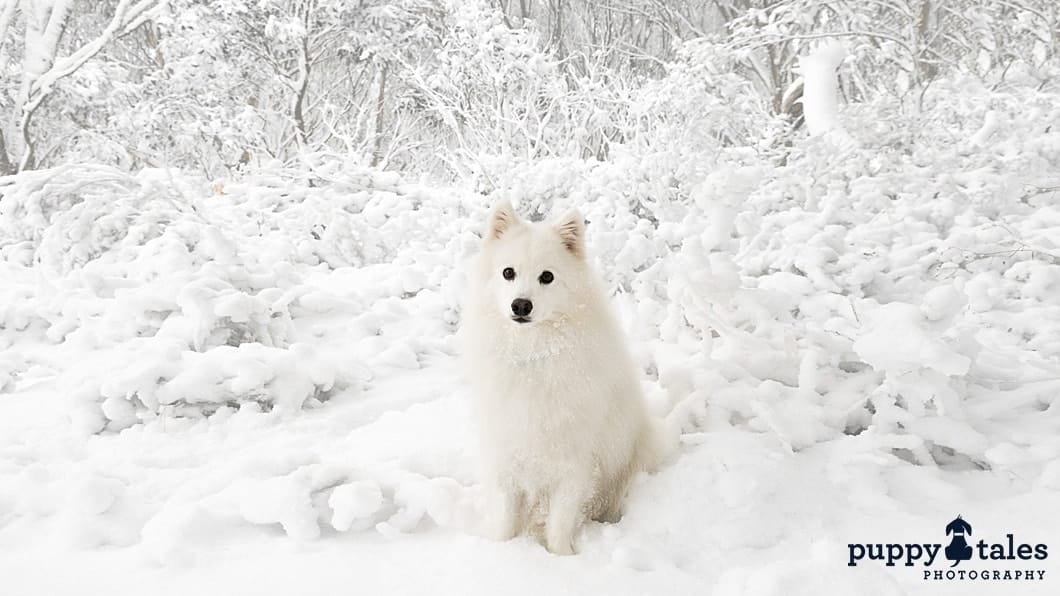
<point x="566" y="510"/>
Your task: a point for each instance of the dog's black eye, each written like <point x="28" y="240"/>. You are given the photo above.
<point x="546" y="277"/>
<point x="508" y="273"/>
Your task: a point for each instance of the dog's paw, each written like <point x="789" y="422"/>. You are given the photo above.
<point x="562" y="547"/>
<point x="501" y="533"/>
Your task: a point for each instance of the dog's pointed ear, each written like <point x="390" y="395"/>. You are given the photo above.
<point x="502" y="218"/>
<point x="571" y="230"/>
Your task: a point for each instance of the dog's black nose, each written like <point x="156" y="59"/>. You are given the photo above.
<point x="522" y="307"/>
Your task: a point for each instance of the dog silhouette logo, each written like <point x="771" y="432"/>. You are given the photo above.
<point x="958" y="549"/>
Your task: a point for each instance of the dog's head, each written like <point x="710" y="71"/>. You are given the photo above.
<point x="534" y="272"/>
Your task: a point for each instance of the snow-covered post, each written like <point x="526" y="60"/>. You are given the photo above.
<point x="820" y="96"/>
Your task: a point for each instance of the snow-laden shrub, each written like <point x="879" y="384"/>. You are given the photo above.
<point x="701" y="104"/>
<point x="33" y="200"/>
<point x="864" y="288"/>
<point x="169" y="296"/>
<point x="670" y="130"/>
<point x="887" y="249"/>
<point x="893" y="286"/>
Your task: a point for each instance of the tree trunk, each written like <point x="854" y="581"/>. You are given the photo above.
<point x="28" y="160"/>
<point x="925" y="69"/>
<point x="304" y="68"/>
<point x="45" y="25"/>
<point x="6" y="167"/>
<point x="380" y="101"/>
<point x="303" y="88"/>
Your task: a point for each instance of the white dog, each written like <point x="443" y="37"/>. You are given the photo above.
<point x="562" y="424"/>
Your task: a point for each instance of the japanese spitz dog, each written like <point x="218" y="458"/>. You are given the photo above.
<point x="562" y="425"/>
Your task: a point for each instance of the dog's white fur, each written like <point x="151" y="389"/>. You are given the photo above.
<point x="562" y="424"/>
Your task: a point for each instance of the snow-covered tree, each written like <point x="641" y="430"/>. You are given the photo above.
<point x="898" y="45"/>
<point x="45" y="63"/>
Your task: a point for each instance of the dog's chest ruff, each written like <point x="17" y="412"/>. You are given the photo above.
<point x="544" y="348"/>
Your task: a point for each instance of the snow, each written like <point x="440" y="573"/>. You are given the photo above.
<point x="250" y="385"/>
<point x="273" y="410"/>
<point x="898" y="339"/>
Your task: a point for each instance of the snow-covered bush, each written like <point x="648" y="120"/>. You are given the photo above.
<point x="703" y="104"/>
<point x="766" y="289"/>
<point x="822" y="294"/>
<point x="173" y="297"/>
<point x="868" y="261"/>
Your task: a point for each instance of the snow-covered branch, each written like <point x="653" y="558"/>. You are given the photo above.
<point x="43" y="68"/>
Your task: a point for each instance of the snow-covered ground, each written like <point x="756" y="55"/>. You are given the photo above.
<point x="245" y="505"/>
<point x="252" y="388"/>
